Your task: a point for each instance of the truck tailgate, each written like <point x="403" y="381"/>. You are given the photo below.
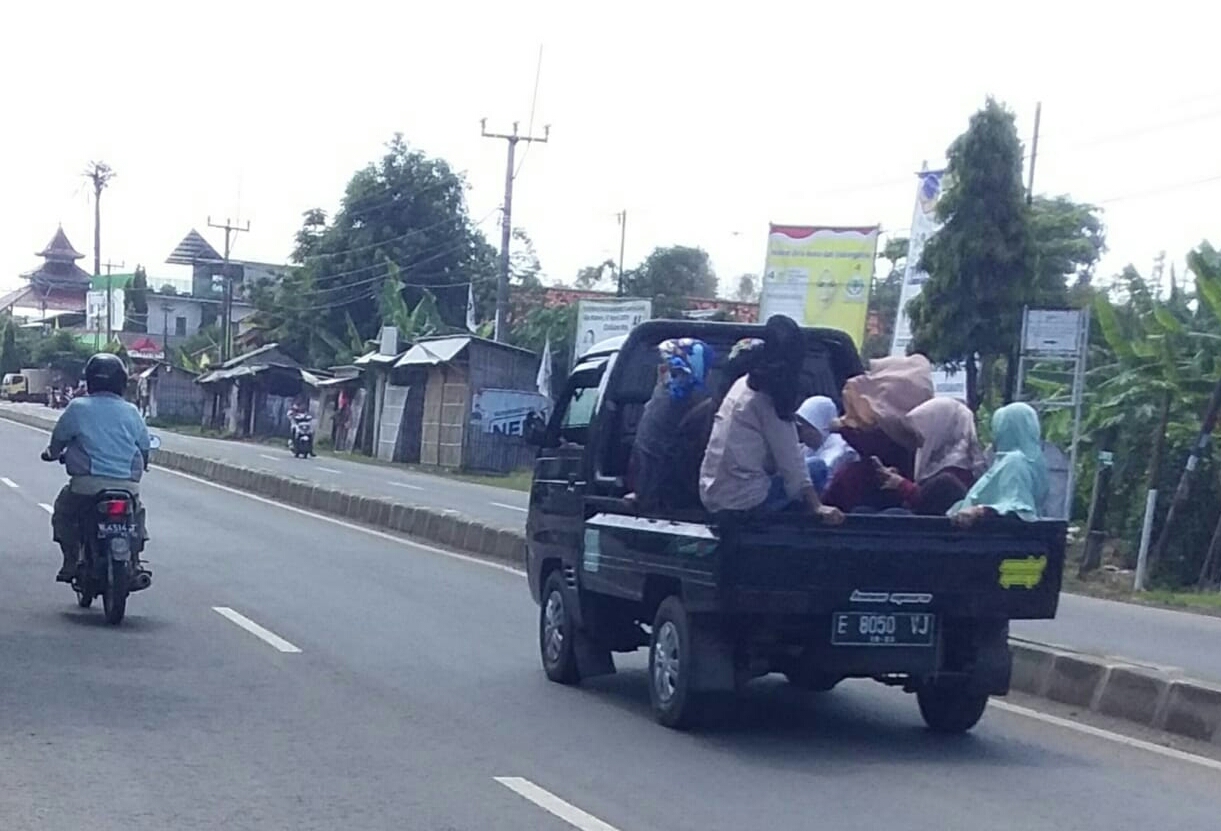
<point x="1002" y="568"/>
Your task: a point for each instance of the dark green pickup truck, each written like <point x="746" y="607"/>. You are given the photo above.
<point x="909" y="601"/>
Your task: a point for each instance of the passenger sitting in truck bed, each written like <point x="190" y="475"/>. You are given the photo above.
<point x="826" y="451"/>
<point x="754" y="462"/>
<point x="696" y="427"/>
<point x="1016" y="482"/>
<point x="681" y="378"/>
<point x="876" y="404"/>
<point x="947" y="462"/>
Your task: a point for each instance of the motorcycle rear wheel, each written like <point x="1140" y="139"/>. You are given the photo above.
<point x="84" y="600"/>
<point x="114" y="596"/>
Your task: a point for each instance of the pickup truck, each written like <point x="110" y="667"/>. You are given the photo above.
<point x="908" y="601"/>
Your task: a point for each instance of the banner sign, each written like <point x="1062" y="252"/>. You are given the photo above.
<point x="820" y="276"/>
<point x="505" y="411"/>
<point x="95" y="310"/>
<point x="598" y="320"/>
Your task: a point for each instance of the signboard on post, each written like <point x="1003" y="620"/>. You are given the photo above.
<point x="820" y="276"/>
<point x="505" y="411"/>
<point x="1053" y="332"/>
<point x="598" y="320"/>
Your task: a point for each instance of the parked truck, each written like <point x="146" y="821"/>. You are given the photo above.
<point x="909" y="601"/>
<point x="27" y="385"/>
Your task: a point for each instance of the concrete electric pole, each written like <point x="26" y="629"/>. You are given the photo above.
<point x="226" y="314"/>
<point x="506" y="231"/>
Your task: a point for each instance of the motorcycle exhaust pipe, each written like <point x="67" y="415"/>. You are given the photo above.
<point x="141" y="581"/>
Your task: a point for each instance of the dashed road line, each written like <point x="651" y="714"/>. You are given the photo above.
<point x="8" y="481"/>
<point x="327" y="469"/>
<point x="552" y="804"/>
<point x="510" y="507"/>
<point x="265" y="635"/>
<point x="405" y="485"/>
<point x="46" y="507"/>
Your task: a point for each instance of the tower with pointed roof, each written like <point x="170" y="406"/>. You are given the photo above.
<point x="59" y="283"/>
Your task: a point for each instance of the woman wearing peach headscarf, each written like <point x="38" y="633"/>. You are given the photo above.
<point x="875" y="424"/>
<point x="948" y="460"/>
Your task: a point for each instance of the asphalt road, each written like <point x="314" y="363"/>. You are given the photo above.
<point x="498" y="506"/>
<point x="1146" y="635"/>
<point x="417" y="683"/>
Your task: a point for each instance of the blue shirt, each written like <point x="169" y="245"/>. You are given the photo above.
<point x="104" y="436"/>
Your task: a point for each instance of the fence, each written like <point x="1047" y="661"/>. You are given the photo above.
<point x="497" y="452"/>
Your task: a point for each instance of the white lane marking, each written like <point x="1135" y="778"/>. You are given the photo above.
<point x="8" y="481"/>
<point x="551" y="803"/>
<point x="1047" y="718"/>
<point x="453" y="555"/>
<point x="272" y="458"/>
<point x="405" y="485"/>
<point x="327" y="469"/>
<point x="253" y="628"/>
<point x="1099" y="733"/>
<point x="511" y="507"/>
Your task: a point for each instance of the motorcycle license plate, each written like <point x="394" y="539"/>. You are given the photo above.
<point x="108" y="530"/>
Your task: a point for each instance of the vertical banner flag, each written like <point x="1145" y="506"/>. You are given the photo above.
<point x="924" y="225"/>
<point x="820" y="276"/>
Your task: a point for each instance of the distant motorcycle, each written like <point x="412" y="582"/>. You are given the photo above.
<point x="302" y="441"/>
<point x="108" y="564"/>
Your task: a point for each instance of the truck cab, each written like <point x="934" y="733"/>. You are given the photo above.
<point x="909" y="601"/>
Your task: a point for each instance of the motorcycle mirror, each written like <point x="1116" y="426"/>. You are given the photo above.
<point x="154" y="442"/>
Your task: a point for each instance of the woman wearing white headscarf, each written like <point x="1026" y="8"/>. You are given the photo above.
<point x="826" y="451"/>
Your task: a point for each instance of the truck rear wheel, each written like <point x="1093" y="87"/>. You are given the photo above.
<point x="557" y="633"/>
<point x="671" y="669"/>
<point x="950" y="709"/>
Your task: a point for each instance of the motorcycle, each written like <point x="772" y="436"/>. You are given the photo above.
<point x="108" y="565"/>
<point x="302" y="441"/>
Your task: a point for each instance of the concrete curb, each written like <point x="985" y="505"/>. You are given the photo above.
<point x="1154" y="697"/>
<point x="447" y="528"/>
<point x="1157" y="697"/>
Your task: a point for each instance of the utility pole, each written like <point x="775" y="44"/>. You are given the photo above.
<point x="506" y="231"/>
<point x="1034" y="153"/>
<point x="109" y="266"/>
<point x="226" y="313"/>
<point x="100" y="174"/>
<point x="622" y="239"/>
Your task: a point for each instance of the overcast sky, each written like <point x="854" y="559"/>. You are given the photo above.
<point x="704" y="124"/>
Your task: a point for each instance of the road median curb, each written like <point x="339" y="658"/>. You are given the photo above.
<point x="1156" y="697"/>
<point x="443" y="527"/>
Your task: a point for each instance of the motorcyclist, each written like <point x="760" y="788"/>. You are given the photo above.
<point x="298" y="414"/>
<point x="104" y="444"/>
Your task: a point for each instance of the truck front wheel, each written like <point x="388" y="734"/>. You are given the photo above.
<point x="950" y="709"/>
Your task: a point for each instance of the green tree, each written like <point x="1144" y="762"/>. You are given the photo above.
<point x="61" y="350"/>
<point x="670" y="275"/>
<point x="884" y="296"/>
<point x="979" y="263"/>
<point x="746" y="290"/>
<point x="406" y="209"/>
<point x="10" y="358"/>
<point x="136" y="302"/>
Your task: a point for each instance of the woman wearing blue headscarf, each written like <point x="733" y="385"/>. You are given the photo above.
<point x="682" y="379"/>
<point x="1016" y="483"/>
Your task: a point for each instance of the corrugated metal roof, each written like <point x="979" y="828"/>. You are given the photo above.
<point x="434" y="352"/>
<point x="376" y="358"/>
<point x="192" y="249"/>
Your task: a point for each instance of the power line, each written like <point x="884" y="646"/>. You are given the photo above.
<point x="538" y="71"/>
<point x="506" y="231"/>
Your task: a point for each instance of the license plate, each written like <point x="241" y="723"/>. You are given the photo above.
<point x="106" y="530"/>
<point x="883" y="629"/>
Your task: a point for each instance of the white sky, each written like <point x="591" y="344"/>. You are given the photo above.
<point x="703" y="123"/>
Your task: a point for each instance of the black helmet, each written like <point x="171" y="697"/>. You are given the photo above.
<point x="104" y="372"/>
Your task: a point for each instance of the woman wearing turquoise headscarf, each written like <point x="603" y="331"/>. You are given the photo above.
<point x="1016" y="483"/>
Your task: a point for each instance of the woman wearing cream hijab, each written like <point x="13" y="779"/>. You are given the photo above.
<point x="947" y="462"/>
